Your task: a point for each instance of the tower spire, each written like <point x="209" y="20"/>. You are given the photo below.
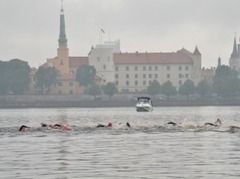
<point x="234" y="53"/>
<point x="62" y="40"/>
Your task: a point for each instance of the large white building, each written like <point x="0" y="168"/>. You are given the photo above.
<point x="133" y="72"/>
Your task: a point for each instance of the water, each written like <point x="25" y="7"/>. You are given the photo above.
<point x="150" y="149"/>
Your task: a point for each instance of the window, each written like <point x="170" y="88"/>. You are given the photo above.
<point x="179" y="68"/>
<point x="149" y="75"/>
<point x="127" y="83"/>
<point x="180" y="75"/>
<point x="168" y="75"/>
<point x="156" y="75"/>
<point x="136" y="68"/>
<point x="150" y="68"/>
<point x="104" y="67"/>
<point x="70" y="92"/>
<point x="168" y="68"/>
<point x="98" y="59"/>
<point x="149" y="82"/>
<point x="186" y="68"/>
<point x="156" y="68"/>
<point x="127" y="68"/>
<point x="127" y="76"/>
<point x="136" y="83"/>
<point x="136" y="75"/>
<point x="117" y="83"/>
<point x="70" y="83"/>
<point x="116" y="68"/>
<point x="144" y="76"/>
<point x="186" y="75"/>
<point x="116" y="76"/>
<point x="144" y="68"/>
<point x="144" y="83"/>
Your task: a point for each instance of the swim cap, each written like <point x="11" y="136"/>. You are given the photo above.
<point x="110" y="124"/>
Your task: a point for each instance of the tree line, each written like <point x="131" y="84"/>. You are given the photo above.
<point x="15" y="79"/>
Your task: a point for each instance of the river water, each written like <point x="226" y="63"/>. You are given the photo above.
<point x="149" y="149"/>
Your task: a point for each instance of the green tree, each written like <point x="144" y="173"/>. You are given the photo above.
<point x="226" y="82"/>
<point x="14" y="76"/>
<point x="3" y="78"/>
<point x="110" y="89"/>
<point x="94" y="90"/>
<point x="46" y="77"/>
<point x="203" y="88"/>
<point x="187" y="88"/>
<point x="168" y="89"/>
<point x="86" y="75"/>
<point x="18" y="76"/>
<point x="154" y="88"/>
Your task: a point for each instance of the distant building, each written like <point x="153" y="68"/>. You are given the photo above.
<point x="131" y="72"/>
<point x="234" y="61"/>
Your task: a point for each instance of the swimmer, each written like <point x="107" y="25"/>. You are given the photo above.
<point x="217" y="123"/>
<point x="24" y="128"/>
<point x="101" y="125"/>
<point x="128" y="124"/>
<point x="63" y="127"/>
<point x="233" y="128"/>
<point x="172" y="123"/>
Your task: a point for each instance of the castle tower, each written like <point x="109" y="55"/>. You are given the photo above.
<point x="197" y="57"/>
<point x="234" y="61"/>
<point x="219" y="62"/>
<point x="62" y="51"/>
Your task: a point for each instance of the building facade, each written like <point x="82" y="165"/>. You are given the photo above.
<point x="131" y="72"/>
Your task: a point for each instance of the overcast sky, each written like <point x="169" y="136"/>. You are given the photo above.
<point x="30" y="28"/>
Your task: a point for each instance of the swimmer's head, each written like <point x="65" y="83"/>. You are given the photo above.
<point x="44" y="125"/>
<point x="24" y="128"/>
<point x="109" y="124"/>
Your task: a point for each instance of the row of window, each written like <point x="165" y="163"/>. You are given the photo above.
<point x="150" y="68"/>
<point x="151" y="75"/>
<point x="136" y="83"/>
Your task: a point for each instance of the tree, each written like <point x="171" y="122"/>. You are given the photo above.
<point x="3" y="78"/>
<point x="203" y="88"/>
<point x="154" y="88"/>
<point x="110" y="89"/>
<point x="14" y="76"/>
<point x="86" y="75"/>
<point x="226" y="82"/>
<point x="45" y="77"/>
<point x="94" y="90"/>
<point x="18" y="76"/>
<point x="168" y="89"/>
<point x="187" y="88"/>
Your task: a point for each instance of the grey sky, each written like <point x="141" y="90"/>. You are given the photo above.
<point x="30" y="28"/>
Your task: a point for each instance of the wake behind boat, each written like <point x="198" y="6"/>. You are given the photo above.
<point x="144" y="104"/>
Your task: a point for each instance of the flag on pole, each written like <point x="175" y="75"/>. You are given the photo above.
<point x="102" y="31"/>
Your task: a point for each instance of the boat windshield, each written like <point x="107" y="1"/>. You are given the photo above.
<point x="144" y="100"/>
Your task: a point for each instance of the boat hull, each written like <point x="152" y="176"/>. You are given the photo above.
<point x="144" y="109"/>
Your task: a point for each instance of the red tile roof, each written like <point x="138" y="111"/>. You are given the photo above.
<point x="152" y="58"/>
<point x="75" y="62"/>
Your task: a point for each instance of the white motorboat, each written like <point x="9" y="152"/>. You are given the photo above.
<point x="144" y="104"/>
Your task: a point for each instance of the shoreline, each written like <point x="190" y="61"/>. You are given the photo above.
<point x="57" y="101"/>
